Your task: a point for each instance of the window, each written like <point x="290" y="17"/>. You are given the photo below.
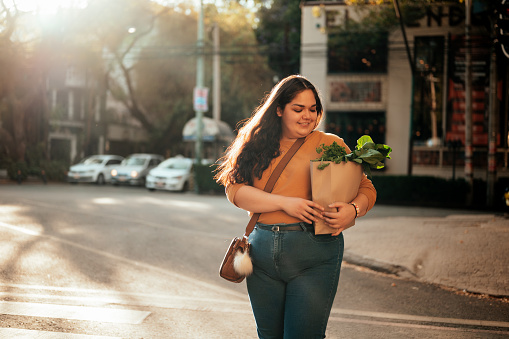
<point x="480" y="58"/>
<point x="352" y="125"/>
<point x="357" y="52"/>
<point x="154" y="162"/>
<point x="113" y="162"/>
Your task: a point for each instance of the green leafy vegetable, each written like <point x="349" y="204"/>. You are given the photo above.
<point x="366" y="153"/>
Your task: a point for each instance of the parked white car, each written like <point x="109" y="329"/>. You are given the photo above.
<point x="134" y="169"/>
<point x="173" y="174"/>
<point x="95" y="168"/>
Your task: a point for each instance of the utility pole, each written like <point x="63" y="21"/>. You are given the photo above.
<point x="198" y="105"/>
<point x="199" y="85"/>
<point x="469" y="153"/>
<point x="216" y="90"/>
<point x="492" y="131"/>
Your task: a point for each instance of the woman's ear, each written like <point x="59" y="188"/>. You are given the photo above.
<point x="278" y="112"/>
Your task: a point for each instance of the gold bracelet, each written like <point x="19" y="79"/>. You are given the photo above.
<point x="357" y="209"/>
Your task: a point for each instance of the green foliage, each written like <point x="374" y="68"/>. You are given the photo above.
<point x="205" y="179"/>
<point x="366" y="153"/>
<point x="436" y="192"/>
<point x="279" y="33"/>
<point x="18" y="168"/>
<point x="354" y="52"/>
<point x="420" y="191"/>
<point x="333" y="152"/>
<point x="382" y="17"/>
<point x="245" y="74"/>
<point x="53" y="170"/>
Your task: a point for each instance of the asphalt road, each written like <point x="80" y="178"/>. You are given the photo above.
<point x="86" y="260"/>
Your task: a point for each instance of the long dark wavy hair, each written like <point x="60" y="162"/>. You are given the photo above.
<point x="257" y="142"/>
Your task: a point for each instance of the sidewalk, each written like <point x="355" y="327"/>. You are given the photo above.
<point x="463" y="250"/>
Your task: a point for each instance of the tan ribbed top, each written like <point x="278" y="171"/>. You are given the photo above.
<point x="295" y="181"/>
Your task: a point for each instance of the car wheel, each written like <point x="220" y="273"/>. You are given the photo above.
<point x="151" y="189"/>
<point x="100" y="179"/>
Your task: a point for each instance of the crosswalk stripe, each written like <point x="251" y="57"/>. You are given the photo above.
<point x="408" y="317"/>
<point x="100" y="314"/>
<point x="16" y="333"/>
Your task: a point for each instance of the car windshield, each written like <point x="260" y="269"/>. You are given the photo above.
<point x="175" y="164"/>
<point x="92" y="161"/>
<point x="134" y="161"/>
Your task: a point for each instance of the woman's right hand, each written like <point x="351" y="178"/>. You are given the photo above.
<point x="305" y="210"/>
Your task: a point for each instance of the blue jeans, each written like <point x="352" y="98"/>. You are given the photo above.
<point x="294" y="281"/>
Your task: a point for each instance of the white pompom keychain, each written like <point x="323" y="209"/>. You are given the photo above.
<point x="242" y="263"/>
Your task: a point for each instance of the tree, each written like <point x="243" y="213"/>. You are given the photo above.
<point x="278" y="32"/>
<point x="245" y="74"/>
<point x="23" y="107"/>
<point x="165" y="75"/>
<point x="119" y="28"/>
<point x="166" y="71"/>
<point x="144" y="53"/>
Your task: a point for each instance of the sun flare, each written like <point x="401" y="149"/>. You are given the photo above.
<point x="44" y="7"/>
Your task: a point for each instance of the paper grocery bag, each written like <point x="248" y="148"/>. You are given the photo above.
<point x="336" y="182"/>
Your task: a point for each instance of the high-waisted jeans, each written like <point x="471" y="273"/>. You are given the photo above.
<point x="294" y="281"/>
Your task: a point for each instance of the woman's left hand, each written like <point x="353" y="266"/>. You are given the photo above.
<point x="341" y="219"/>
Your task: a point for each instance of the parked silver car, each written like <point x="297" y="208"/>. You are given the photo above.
<point x="173" y="174"/>
<point x="95" y="168"/>
<point x="134" y="169"/>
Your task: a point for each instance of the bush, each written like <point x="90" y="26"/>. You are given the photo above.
<point x="54" y="170"/>
<point x="436" y="192"/>
<point x="421" y="191"/>
<point x="14" y="167"/>
<point x="205" y="179"/>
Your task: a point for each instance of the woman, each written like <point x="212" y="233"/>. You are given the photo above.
<point x="296" y="273"/>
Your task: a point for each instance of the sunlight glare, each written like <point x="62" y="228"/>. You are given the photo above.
<point x="44" y="7"/>
<point x="105" y="201"/>
<point x="191" y="205"/>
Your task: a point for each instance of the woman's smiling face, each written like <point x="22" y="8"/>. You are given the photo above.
<point x="299" y="116"/>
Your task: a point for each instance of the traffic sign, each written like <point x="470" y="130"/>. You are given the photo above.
<point x="200" y="96"/>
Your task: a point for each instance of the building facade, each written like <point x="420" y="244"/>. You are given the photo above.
<point x="368" y="86"/>
<point x="85" y="119"/>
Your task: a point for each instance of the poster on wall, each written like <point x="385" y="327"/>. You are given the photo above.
<point x="456" y="90"/>
<point x="362" y="93"/>
<point x="355" y="91"/>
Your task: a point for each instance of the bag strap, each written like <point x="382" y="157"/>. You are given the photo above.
<point x="273" y="178"/>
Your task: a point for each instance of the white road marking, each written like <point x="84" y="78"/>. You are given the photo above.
<point x="415" y="318"/>
<point x="134" y="263"/>
<point x="221" y="305"/>
<point x="415" y="326"/>
<point x="29" y="334"/>
<point x="100" y="314"/>
<point x="20" y="229"/>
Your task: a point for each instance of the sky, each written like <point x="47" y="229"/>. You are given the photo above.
<point x="51" y="6"/>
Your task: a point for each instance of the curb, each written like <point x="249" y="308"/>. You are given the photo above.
<point x="401" y="271"/>
<point x="378" y="266"/>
